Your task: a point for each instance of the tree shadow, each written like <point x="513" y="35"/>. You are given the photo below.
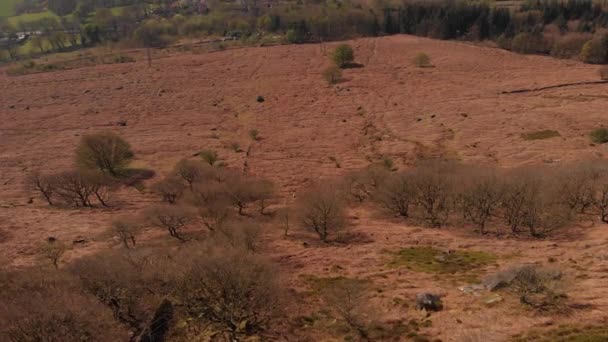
<point x="353" y="66"/>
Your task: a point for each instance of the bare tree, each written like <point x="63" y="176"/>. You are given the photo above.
<point x="240" y="235"/>
<point x="434" y="186"/>
<point x="54" y="250"/>
<point x="362" y="184"/>
<point x="42" y="184"/>
<point x="211" y="203"/>
<point x="126" y="230"/>
<point x="321" y="210"/>
<point x="236" y="290"/>
<point x="348" y="299"/>
<point x="74" y="187"/>
<point x="240" y="192"/>
<point x="127" y="284"/>
<point x="263" y="191"/>
<point x="600" y="201"/>
<point x="170" y="189"/>
<point x="575" y="185"/>
<point x="397" y="193"/>
<point x="522" y="190"/>
<point x="38" y="305"/>
<point x="193" y="171"/>
<point x="171" y="218"/>
<point x="481" y="196"/>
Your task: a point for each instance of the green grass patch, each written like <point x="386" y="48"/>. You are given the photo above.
<point x="29" y="17"/>
<point x="540" y="135"/>
<point x="432" y="260"/>
<point x="599" y="136"/>
<point x="566" y="334"/>
<point x="7" y="7"/>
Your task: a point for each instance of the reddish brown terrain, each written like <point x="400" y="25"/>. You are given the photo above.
<point x="388" y="107"/>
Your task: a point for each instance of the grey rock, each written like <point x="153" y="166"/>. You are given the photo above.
<point x="429" y="302"/>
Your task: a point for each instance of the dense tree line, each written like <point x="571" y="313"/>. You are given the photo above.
<point x="574" y="28"/>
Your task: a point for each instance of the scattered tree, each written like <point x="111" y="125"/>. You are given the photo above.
<point x="106" y="152"/>
<point x="171" y="218"/>
<point x="41" y="184"/>
<point x="321" y="210"/>
<point x="397" y="193"/>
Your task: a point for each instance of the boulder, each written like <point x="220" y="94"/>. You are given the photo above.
<point x="429" y="302"/>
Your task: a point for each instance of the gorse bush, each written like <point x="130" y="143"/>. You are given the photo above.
<point x="343" y="55"/>
<point x="599" y="135"/>
<point x="595" y="51"/>
<point x="332" y="74"/>
<point x="422" y="60"/>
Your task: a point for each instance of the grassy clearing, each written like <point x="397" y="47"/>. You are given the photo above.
<point x="431" y="260"/>
<point x="7" y="7"/>
<point x="540" y="135"/>
<point x="29" y="17"/>
<point x="566" y="334"/>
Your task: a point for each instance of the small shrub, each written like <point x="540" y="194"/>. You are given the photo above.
<point x="569" y="45"/>
<point x="171" y="218"/>
<point x="529" y="43"/>
<point x="293" y="36"/>
<point x="332" y="74"/>
<point x="54" y="250"/>
<point x="254" y="134"/>
<point x="595" y="51"/>
<point x="599" y="135"/>
<point x="170" y="189"/>
<point x="422" y="60"/>
<point x="209" y="156"/>
<point x="603" y="71"/>
<point x="343" y="55"/>
<point x="236" y="147"/>
<point x="125" y="230"/>
<point x="539" y="288"/>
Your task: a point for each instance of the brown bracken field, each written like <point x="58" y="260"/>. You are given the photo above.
<point x="460" y="108"/>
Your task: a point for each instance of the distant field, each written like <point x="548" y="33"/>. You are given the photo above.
<point x="7" y="7"/>
<point x="28" y="17"/>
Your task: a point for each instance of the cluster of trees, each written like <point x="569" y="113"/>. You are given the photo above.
<point x="534" y="201"/>
<point x="524" y="201"/>
<point x="129" y="295"/>
<point x="101" y="160"/>
<point x="198" y="192"/>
